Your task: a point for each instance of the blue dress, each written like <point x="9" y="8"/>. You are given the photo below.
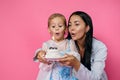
<point x="60" y="72"/>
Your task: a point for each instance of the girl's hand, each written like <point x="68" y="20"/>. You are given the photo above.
<point x="70" y="60"/>
<point x="41" y="57"/>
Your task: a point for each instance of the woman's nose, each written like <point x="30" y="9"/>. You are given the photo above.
<point x="71" y="28"/>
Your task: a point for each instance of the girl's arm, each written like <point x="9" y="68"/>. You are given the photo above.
<point x="40" y="53"/>
<point x="36" y="54"/>
<point x="39" y="57"/>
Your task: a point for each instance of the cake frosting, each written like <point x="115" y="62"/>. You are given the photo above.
<point x="53" y="53"/>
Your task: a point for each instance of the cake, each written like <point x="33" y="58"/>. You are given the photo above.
<point x="53" y="53"/>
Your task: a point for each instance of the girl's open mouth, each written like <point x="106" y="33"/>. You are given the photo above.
<point x="57" y="34"/>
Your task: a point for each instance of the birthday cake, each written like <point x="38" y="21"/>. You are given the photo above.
<point x="52" y="53"/>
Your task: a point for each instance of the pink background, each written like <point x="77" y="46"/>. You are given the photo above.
<point x="23" y="28"/>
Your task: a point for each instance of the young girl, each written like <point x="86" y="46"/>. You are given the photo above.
<point x="54" y="70"/>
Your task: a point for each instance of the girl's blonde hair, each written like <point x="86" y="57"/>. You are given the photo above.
<point x="57" y="15"/>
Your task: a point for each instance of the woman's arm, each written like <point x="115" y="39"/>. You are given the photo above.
<point x="97" y="66"/>
<point x="74" y="50"/>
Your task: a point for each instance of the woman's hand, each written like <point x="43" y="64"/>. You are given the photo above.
<point x="41" y="57"/>
<point x="70" y="60"/>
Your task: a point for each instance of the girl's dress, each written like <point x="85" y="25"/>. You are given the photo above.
<point x="55" y="71"/>
<point x="62" y="72"/>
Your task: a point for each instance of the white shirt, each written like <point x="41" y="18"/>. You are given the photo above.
<point x="98" y="57"/>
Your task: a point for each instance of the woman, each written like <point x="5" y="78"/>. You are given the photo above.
<point x="93" y="52"/>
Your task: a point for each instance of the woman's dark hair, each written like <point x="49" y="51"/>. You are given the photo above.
<point x="86" y="60"/>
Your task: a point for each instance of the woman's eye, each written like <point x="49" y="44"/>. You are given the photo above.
<point x="77" y="24"/>
<point x="69" y="25"/>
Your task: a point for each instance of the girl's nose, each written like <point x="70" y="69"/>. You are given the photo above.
<point x="57" y="28"/>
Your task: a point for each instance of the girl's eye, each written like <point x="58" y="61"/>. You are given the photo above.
<point x="60" y="26"/>
<point x="53" y="26"/>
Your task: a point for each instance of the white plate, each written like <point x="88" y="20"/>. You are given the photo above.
<point x="53" y="59"/>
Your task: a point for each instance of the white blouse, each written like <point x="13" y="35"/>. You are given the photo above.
<point x="99" y="54"/>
